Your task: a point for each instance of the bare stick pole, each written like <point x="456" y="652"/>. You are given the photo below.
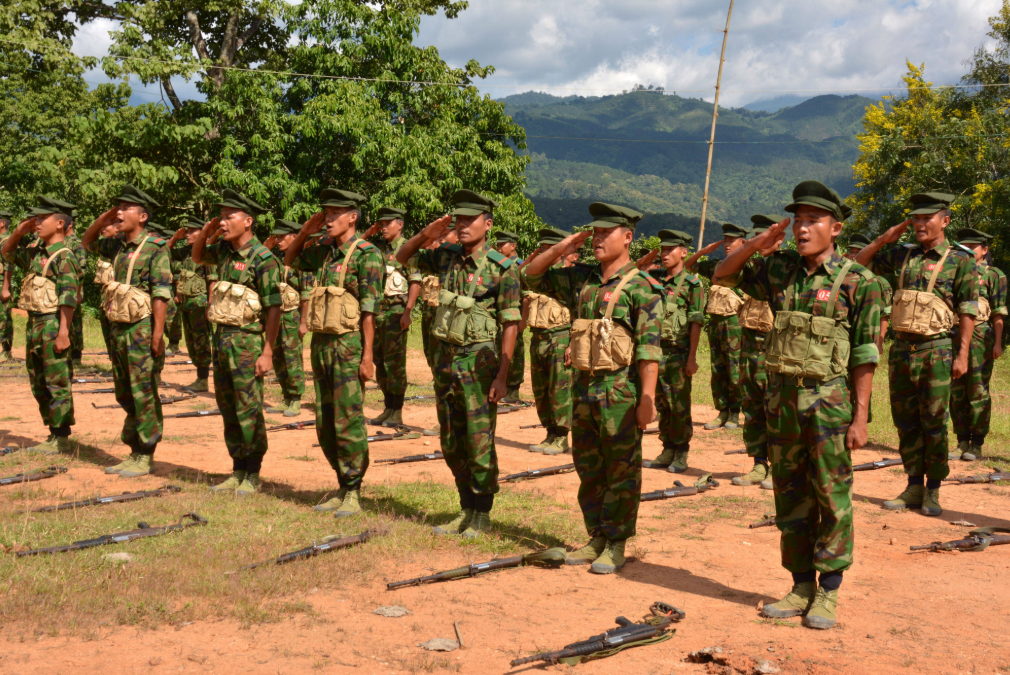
<point x="715" y="115"/>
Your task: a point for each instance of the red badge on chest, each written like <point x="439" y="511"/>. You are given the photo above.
<point x="824" y="294"/>
<point x="606" y="296"/>
<point x="469" y="278"/>
<point x="240" y="266"/>
<point x="931" y="266"/>
<point x="340" y="266"/>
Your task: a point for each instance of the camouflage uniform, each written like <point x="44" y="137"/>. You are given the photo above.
<point x="551" y="378"/>
<point x="517" y="366"/>
<point x="389" y="349"/>
<point x="77" y="331"/>
<point x="288" y="358"/>
<point x="606" y="440"/>
<point x="724" y="342"/>
<point x="753" y="385"/>
<point x="673" y="395"/>
<point x="920" y="365"/>
<point x="808" y="419"/>
<point x="173" y="314"/>
<point x="135" y="369"/>
<point x="6" y="316"/>
<point x="193" y="309"/>
<point x="340" y="422"/>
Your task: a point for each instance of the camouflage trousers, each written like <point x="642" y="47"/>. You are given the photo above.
<point x="428" y="341"/>
<point x="970" y="402"/>
<point x="724" y="337"/>
<point x="173" y="324"/>
<point x="197" y="330"/>
<point x="136" y="372"/>
<point x="340" y="418"/>
<point x="288" y="357"/>
<point x="106" y="332"/>
<point x="812" y="473"/>
<point x="389" y="353"/>
<point x="465" y="417"/>
<point x="7" y="324"/>
<point x="77" y="334"/>
<point x="49" y="371"/>
<point x="920" y="392"/>
<point x="239" y="393"/>
<point x="551" y="379"/>
<point x="753" y="385"/>
<point x="607" y="450"/>
<point x="673" y="400"/>
<point x="517" y="366"/>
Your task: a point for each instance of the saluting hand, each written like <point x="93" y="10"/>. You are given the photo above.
<point x="437" y="228"/>
<point x="314" y="224"/>
<point x="270" y="242"/>
<point x="893" y="234"/>
<point x="108" y="218"/>
<point x="772" y="238"/>
<point x="705" y="250"/>
<point x="646" y="260"/>
<point x="372" y="231"/>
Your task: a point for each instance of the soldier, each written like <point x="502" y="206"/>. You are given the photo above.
<point x="755" y="319"/>
<point x="341" y="315"/>
<point x="723" y="330"/>
<point x="77" y="335"/>
<point x="481" y="293"/>
<point x="550" y="324"/>
<point x="935" y="281"/>
<point x="172" y="313"/>
<point x="683" y="299"/>
<point x="825" y="348"/>
<point x="392" y="322"/>
<point x="191" y="299"/>
<point x="970" y="403"/>
<point x="505" y="243"/>
<point x="429" y="286"/>
<point x="615" y="386"/>
<point x="6" y="300"/>
<point x="288" y="358"/>
<point x="50" y="305"/>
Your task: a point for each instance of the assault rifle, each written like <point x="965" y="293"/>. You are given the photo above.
<point x="330" y="543"/>
<point x="306" y="424"/>
<point x="654" y="628"/>
<point x="879" y="464"/>
<point x="196" y="413"/>
<point x="411" y="458"/>
<point x="704" y="483"/>
<point x="96" y="391"/>
<point x="767" y="522"/>
<point x="532" y="426"/>
<point x="166" y="400"/>
<point x="552" y="557"/>
<point x="41" y="474"/>
<point x="178" y="363"/>
<point x="537" y="473"/>
<point x="143" y="530"/>
<point x="125" y="497"/>
<point x="404" y="433"/>
<point x="91" y="380"/>
<point x="741" y="451"/>
<point x="420" y="398"/>
<point x="989" y="478"/>
<point x="977" y="540"/>
<point x="9" y="449"/>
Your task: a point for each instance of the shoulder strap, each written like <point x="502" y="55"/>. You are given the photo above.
<point x="617" y="291"/>
<point x="476" y="277"/>
<point x="901" y="277"/>
<point x="133" y="260"/>
<point x="286" y="271"/>
<point x="936" y="270"/>
<point x="680" y="285"/>
<point x="347" y="259"/>
<point x="45" y="268"/>
<point x="835" y="287"/>
<point x="788" y="300"/>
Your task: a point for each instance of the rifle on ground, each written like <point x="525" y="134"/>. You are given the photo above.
<point x="91" y="380"/>
<point x="537" y="473"/>
<point x="330" y="543"/>
<point x="704" y="483"/>
<point x="143" y="530"/>
<point x="552" y="557"/>
<point x="989" y="478"/>
<point x="532" y="426"/>
<point x="96" y="391"/>
<point x="411" y="458"/>
<point x="404" y="434"/>
<point x="125" y="497"/>
<point x="41" y="474"/>
<point x="767" y="522"/>
<point x="506" y="409"/>
<point x="650" y="431"/>
<point x="419" y="398"/>
<point x="879" y="464"/>
<point x="9" y="449"/>
<point x="741" y="451"/>
<point x="977" y="540"/>
<point x="178" y="363"/>
<point x="306" y="424"/>
<point x="165" y="400"/>
<point x="196" y="413"/>
<point x="652" y="629"/>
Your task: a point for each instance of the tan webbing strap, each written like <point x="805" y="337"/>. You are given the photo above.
<point x="936" y="270"/>
<point x="476" y="277"/>
<point x="133" y="260"/>
<point x="835" y="288"/>
<point x="286" y="271"/>
<point x="49" y="260"/>
<point x="347" y="259"/>
<point x="901" y="277"/>
<point x="680" y="285"/>
<point x="617" y="291"/>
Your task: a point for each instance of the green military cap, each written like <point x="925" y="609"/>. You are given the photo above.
<point x="731" y="230"/>
<point x="674" y="238"/>
<point x="969" y="235"/>
<point x="611" y="216"/>
<point x="469" y="203"/>
<point x="859" y="240"/>
<point x="135" y="195"/>
<point x="160" y="229"/>
<point x="452" y="223"/>
<point x="341" y="198"/>
<point x="194" y="222"/>
<point x="820" y="196"/>
<point x="49" y="205"/>
<point x="928" y="203"/>
<point x="234" y="200"/>
<point x="550" y="236"/>
<point x="761" y="223"/>
<point x="6" y="215"/>
<point x="506" y="237"/>
<point x="282" y="227"/>
<point x="389" y="213"/>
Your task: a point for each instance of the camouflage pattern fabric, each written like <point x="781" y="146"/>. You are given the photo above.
<point x="288" y="357"/>
<point x="389" y="348"/>
<point x="517" y="366"/>
<point x="428" y="341"/>
<point x="77" y="330"/>
<point x="724" y="343"/>
<point x="7" y="323"/>
<point x="173" y="317"/>
<point x="753" y="385"/>
<point x="673" y="389"/>
<point x="193" y="310"/>
<point x="253" y="266"/>
<point x="807" y="421"/>
<point x="551" y="378"/>
<point x="606" y="440"/>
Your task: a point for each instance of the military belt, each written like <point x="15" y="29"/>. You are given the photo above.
<point x="809" y="382"/>
<point x="456" y="350"/>
<point x="672" y="345"/>
<point x="903" y="345"/>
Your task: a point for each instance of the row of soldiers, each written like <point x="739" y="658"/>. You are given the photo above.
<point x="621" y="343"/>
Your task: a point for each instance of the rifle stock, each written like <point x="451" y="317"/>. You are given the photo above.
<point x="41" y="474"/>
<point x="552" y="557"/>
<point x="984" y="478"/>
<point x="125" y="497"/>
<point x="330" y="543"/>
<point x="143" y="531"/>
<point x="879" y="464"/>
<point x="537" y="473"/>
<point x="411" y="458"/>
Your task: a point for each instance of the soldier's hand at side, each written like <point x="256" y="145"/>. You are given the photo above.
<point x="692" y="366"/>
<point x="366" y="371"/>
<point x="5" y="295"/>
<point x="62" y="342"/>
<point x="893" y="234"/>
<point x="960" y="367"/>
<point x="302" y="330"/>
<point x="856" y="436"/>
<point x="264" y="364"/>
<point x="498" y="390"/>
<point x="158" y="346"/>
<point x="178" y="299"/>
<point x="997" y="349"/>
<point x="405" y="320"/>
<point x="645" y="413"/>
<point x="568" y="356"/>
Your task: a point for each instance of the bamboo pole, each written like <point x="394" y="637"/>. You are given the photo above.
<point x="715" y="115"/>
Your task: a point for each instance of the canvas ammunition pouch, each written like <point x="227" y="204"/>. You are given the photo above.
<point x="601" y="344"/>
<point x="290" y="299"/>
<point x="918" y="312"/>
<point x="104" y="273"/>
<point x="459" y="320"/>
<point x="232" y="304"/>
<point x="38" y="294"/>
<point x="546" y="313"/>
<point x="125" y="303"/>
<point x="984" y="310"/>
<point x="756" y="315"/>
<point x="429" y="290"/>
<point x="191" y="284"/>
<point x="332" y="310"/>
<point x="396" y="283"/>
<point x="674" y="325"/>
<point x="807" y="346"/>
<point x="723" y="301"/>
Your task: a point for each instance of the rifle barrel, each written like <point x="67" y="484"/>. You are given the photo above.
<point x="328" y="544"/>
<point x="460" y="572"/>
<point x="537" y="473"/>
<point x="669" y="493"/>
<point x="879" y="464"/>
<point x="48" y="472"/>
<point x="125" y="497"/>
<point x="119" y="537"/>
<point x="411" y="458"/>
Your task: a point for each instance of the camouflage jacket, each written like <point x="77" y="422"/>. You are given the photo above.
<point x="388" y="250"/>
<point x="182" y="261"/>
<point x="253" y="266"/>
<point x="994" y="289"/>
<point x="77" y="248"/>
<point x="706" y="268"/>
<point x="497" y="289"/>
<point x="691" y="299"/>
<point x="638" y="308"/>
<point x="363" y="279"/>
<point x="152" y="272"/>
<point x="296" y="279"/>
<point x="65" y="271"/>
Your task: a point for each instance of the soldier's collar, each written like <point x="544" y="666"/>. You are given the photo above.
<point x="479" y="253"/>
<point x="620" y="273"/>
<point x="247" y="248"/>
<point x="139" y="238"/>
<point x="342" y="248"/>
<point x="939" y="248"/>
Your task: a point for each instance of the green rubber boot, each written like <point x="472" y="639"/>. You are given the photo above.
<point x="434" y="431"/>
<point x="931" y="503"/>
<point x="46" y="447"/>
<point x="332" y="504"/>
<point x="481" y="522"/>
<point x="63" y="444"/>
<point x="250" y="485"/>
<point x="588" y="553"/>
<point x="798" y="601"/>
<point x="394" y="420"/>
<point x="558" y="447"/>
<point x="679" y="463"/>
<point x="294" y="408"/>
<point x="279" y="408"/>
<point x="231" y="484"/>
<point x="170" y="352"/>
<point x="200" y="385"/>
<point x="512" y="396"/>
<point x="611" y="560"/>
<point x="767" y="484"/>
<point x="962" y="447"/>
<point x="540" y="447"/>
<point x="756" y="475"/>
<point x="351" y="506"/>
<point x="971" y="453"/>
<point x="822" y="613"/>
<point x="664" y="460"/>
<point x="911" y="498"/>
<point x="734" y="420"/>
<point x="122" y="465"/>
<point x="381" y="417"/>
<point x="142" y="465"/>
<point x="457" y="524"/>
<point x="6" y="357"/>
<point x="719" y="421"/>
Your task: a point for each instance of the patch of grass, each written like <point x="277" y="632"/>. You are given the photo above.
<point x="302" y="458"/>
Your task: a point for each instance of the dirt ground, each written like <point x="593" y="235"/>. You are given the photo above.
<point x="899" y="611"/>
